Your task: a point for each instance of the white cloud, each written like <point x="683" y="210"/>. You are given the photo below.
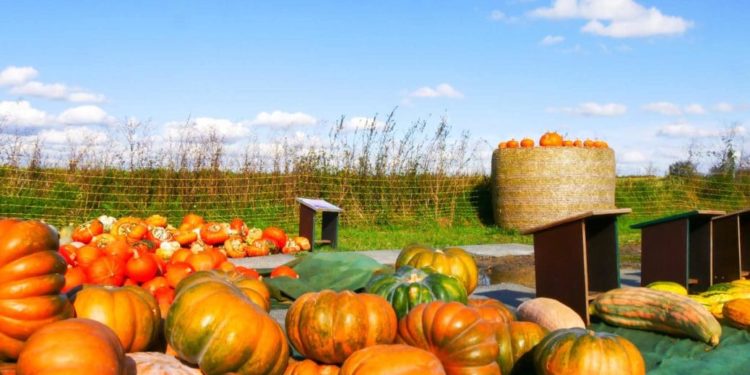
<point x="230" y="130"/>
<point x="442" y="90"/>
<point x="615" y="18"/>
<point x="723" y="107"/>
<point x="73" y="136"/>
<point x="22" y="114"/>
<point x="633" y="157"/>
<point x="695" y="109"/>
<point x="280" y="119"/>
<point x="552" y="39"/>
<point x="356" y="123"/>
<point x="15" y="75"/>
<point x="56" y="91"/>
<point x="497" y="15"/>
<point x="594" y="109"/>
<point x="687" y="130"/>
<point x="85" y="115"/>
<point x="664" y="108"/>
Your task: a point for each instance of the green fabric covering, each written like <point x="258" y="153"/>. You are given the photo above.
<point x="319" y="271"/>
<point x="668" y="355"/>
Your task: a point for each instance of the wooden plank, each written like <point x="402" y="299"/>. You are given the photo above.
<point x="726" y="248"/>
<point x="330" y="229"/>
<point x="307" y="224"/>
<point x="560" y="265"/>
<point x="734" y="213"/>
<point x="675" y="217"/>
<point x="603" y="260"/>
<point x="700" y="257"/>
<point x="664" y="254"/>
<point x="577" y="217"/>
<point x="744" y="233"/>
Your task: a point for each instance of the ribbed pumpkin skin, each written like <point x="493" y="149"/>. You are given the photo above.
<point x="576" y="351"/>
<point x="394" y="359"/>
<point x="309" y="367"/>
<point x="73" y="347"/>
<point x="328" y="326"/>
<point x="737" y="313"/>
<point x="514" y="339"/>
<point x="253" y="289"/>
<point x="154" y="363"/>
<point x="32" y="274"/>
<point x="463" y="341"/>
<point x="492" y="310"/>
<point x="452" y="261"/>
<point x="654" y="310"/>
<point x="213" y="324"/>
<point x="409" y="287"/>
<point x="130" y="311"/>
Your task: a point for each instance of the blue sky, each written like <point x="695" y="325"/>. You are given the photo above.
<point x="648" y="76"/>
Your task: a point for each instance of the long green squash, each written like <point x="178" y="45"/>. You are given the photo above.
<point x="654" y="310"/>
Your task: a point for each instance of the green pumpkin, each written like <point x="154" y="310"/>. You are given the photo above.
<point x="409" y="287"/>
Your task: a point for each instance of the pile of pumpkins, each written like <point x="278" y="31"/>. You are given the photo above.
<point x="552" y="139"/>
<point x="417" y="319"/>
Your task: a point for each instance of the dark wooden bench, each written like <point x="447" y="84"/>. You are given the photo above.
<point x="678" y="248"/>
<point x="731" y="246"/>
<point x="329" y="233"/>
<point x="577" y="257"/>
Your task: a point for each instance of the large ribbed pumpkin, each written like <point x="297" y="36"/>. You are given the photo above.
<point x="309" y="367"/>
<point x="452" y="261"/>
<point x="394" y="359"/>
<point x="515" y="339"/>
<point x="254" y="289"/>
<point x="74" y="347"/>
<point x="32" y="274"/>
<point x="329" y="326"/>
<point x="409" y="287"/>
<point x="130" y="311"/>
<point x="492" y="310"/>
<point x="463" y="341"/>
<point x="580" y="351"/>
<point x="213" y="324"/>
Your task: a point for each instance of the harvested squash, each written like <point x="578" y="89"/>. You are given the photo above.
<point x="550" y="314"/>
<point x="309" y="367"/>
<point x="155" y="363"/>
<point x="737" y="313"/>
<point x="452" y="261"/>
<point x="394" y="359"/>
<point x="492" y="310"/>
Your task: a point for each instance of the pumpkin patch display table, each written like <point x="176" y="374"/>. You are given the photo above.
<point x="731" y="246"/>
<point x="678" y="248"/>
<point x="577" y="257"/>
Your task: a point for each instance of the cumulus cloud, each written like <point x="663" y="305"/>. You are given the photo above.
<point x="633" y="157"/>
<point x="357" y="123"/>
<point x="281" y="119"/>
<point x="552" y="39"/>
<point x="664" y="108"/>
<point x="229" y="130"/>
<point x="15" y="75"/>
<point x="695" y="109"/>
<point x="724" y="107"/>
<point x="594" y="109"/>
<point x="20" y="81"/>
<point x="615" y="18"/>
<point x="22" y="114"/>
<point x="85" y="115"/>
<point x="72" y="136"/>
<point x="442" y="90"/>
<point x="687" y="130"/>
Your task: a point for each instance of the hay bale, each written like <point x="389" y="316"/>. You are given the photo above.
<point x="534" y="186"/>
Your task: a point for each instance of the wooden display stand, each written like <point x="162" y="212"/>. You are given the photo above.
<point x="329" y="234"/>
<point x="678" y="248"/>
<point x="577" y="257"/>
<point x="731" y="246"/>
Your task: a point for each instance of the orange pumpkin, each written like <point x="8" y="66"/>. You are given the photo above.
<point x="235" y="246"/>
<point x="213" y="324"/>
<point x="254" y="289"/>
<point x="284" y="271"/>
<point x="394" y="359"/>
<point x="214" y="233"/>
<point x="86" y="231"/>
<point x="156" y="221"/>
<point x="257" y="248"/>
<point x="580" y="351"/>
<point x="600" y="144"/>
<point x="74" y="346"/>
<point x="130" y="311"/>
<point x="86" y="255"/>
<point x="578" y="143"/>
<point x="142" y="268"/>
<point x="588" y="143"/>
<point x="511" y="144"/>
<point x="129" y="227"/>
<point x="502" y="145"/>
<point x="32" y="274"/>
<point x="202" y="261"/>
<point x="74" y="277"/>
<point x="514" y="340"/>
<point x="106" y="270"/>
<point x="190" y="222"/>
<point x="328" y="326"/>
<point x="568" y="143"/>
<point x="551" y="139"/>
<point x="463" y="341"/>
<point x="527" y="143"/>
<point x="308" y="367"/>
<point x="185" y="237"/>
<point x="492" y="310"/>
<point x="277" y="235"/>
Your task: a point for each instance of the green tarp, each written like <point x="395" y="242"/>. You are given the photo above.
<point x="318" y="271"/>
<point x="668" y="355"/>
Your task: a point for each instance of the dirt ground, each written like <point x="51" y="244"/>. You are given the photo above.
<point x="520" y="269"/>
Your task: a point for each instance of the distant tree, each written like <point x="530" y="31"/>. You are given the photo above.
<point x="683" y="168"/>
<point x="727" y="157"/>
